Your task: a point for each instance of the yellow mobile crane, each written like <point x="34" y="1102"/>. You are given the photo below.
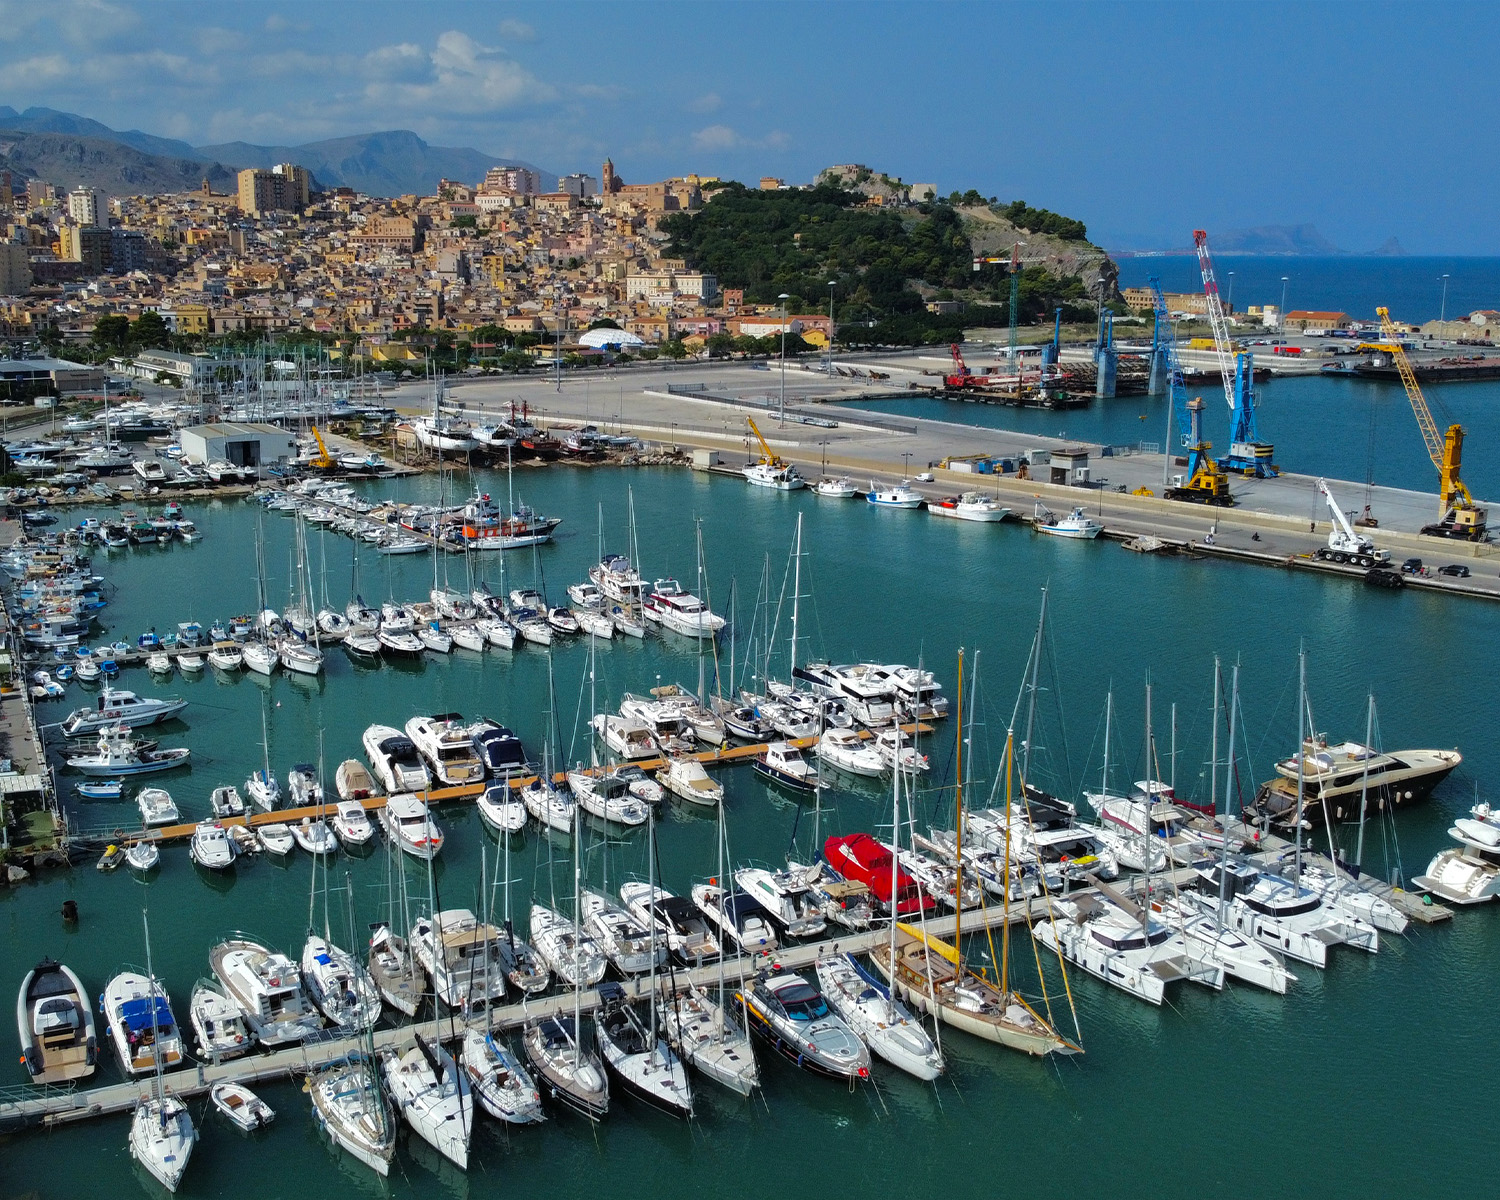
<point x="324" y="461"/>
<point x="1458" y="515"/>
<point x="767" y="458"/>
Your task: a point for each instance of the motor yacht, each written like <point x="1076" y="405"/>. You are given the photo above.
<point x="847" y="751"/>
<point x="786" y="896"/>
<point x="218" y="1024"/>
<point x="676" y="919"/>
<point x="669" y="606"/>
<point x="793" y="1017"/>
<point x="211" y="847"/>
<point x="157" y="807"/>
<point x="462" y="957"/>
<point x="1129" y="950"/>
<point x="447" y="744"/>
<point x="626" y="737"/>
<point x="139" y="1018"/>
<point x="1335" y="776"/>
<point x="739" y="917"/>
<point x="395" y="760"/>
<point x="408" y="822"/>
<point x="267" y="986"/>
<point x="115" y="708"/>
<point x="783" y="763"/>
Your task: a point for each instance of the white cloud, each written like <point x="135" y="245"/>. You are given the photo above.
<point x="716" y="137"/>
<point x="89" y="22"/>
<point x="707" y="103"/>
<point x="39" y="71"/>
<point x="213" y="40"/>
<point x="462" y="77"/>
<point x="722" y="137"/>
<point x="517" y="31"/>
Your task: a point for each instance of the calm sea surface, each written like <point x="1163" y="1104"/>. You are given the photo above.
<point x="1240" y="1091"/>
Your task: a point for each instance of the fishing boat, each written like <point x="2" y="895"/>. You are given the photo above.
<point x="882" y="1022"/>
<point x="777" y="474"/>
<point x="395" y="761"/>
<point x="794" y="1018"/>
<point x="118" y="754"/>
<point x="498" y="1081"/>
<point x="898" y="495"/>
<point x="970" y="506"/>
<point x="1077" y="524"/>
<point x="117" y="708"/>
<point x="139" y="1018"/>
<point x="349" y="1105"/>
<point x="211" y="847"/>
<point x="267" y="986"/>
<point x="783" y="763"/>
<point x="56" y="1026"/>
<point x="408" y="822"/>
<point x="218" y="1024"/>
<point x="685" y="777"/>
<point x="241" y="1107"/>
<point x="837" y="487"/>
<point x="108" y="790"/>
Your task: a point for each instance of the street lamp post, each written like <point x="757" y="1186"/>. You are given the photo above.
<point x="1443" y="312"/>
<point x="832" y="283"/>
<point x="783" y="298"/>
<point x="1284" y="279"/>
<point x="1231" y="292"/>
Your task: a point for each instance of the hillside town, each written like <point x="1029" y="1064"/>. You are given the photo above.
<point x="499" y="263"/>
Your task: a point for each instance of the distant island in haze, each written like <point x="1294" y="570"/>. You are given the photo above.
<point x="1268" y="240"/>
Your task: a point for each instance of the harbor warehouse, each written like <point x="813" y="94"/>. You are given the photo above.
<point x="241" y="445"/>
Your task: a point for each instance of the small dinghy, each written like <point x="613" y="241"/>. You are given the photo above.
<point x="105" y="789"/>
<point x="314" y="836"/>
<point x="242" y="1107"/>
<point x="227" y="802"/>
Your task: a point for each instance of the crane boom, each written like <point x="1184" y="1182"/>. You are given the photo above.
<point x="767" y="456"/>
<point x="1458" y="514"/>
<point x="1206" y="483"/>
<point x="1216" y="316"/>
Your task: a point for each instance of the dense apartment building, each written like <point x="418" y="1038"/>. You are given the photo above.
<point x="286" y="187"/>
<point x="15" y="270"/>
<point x="87" y="207"/>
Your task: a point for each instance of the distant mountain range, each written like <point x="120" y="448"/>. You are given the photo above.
<point x="1289" y="240"/>
<point x="70" y="151"/>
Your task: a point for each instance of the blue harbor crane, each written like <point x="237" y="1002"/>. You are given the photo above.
<point x="1247" y="453"/>
<point x="1205" y="481"/>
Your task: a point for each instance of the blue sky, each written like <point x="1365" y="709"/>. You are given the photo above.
<point x="1143" y="119"/>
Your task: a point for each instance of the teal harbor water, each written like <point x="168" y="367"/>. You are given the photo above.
<point x="1335" y="1085"/>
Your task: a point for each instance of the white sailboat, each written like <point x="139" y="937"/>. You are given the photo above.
<point x="162" y="1135"/>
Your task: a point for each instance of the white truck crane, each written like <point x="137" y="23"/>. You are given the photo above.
<point x="1344" y="544"/>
